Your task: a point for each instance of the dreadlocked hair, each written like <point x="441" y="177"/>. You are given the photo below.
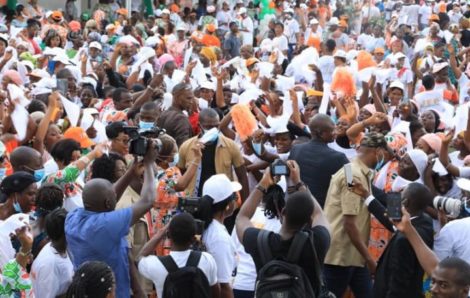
<point x="92" y="280"/>
<point x="273" y="201"/>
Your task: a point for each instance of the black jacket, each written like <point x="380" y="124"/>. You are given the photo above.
<point x="317" y="163"/>
<point x="399" y="273"/>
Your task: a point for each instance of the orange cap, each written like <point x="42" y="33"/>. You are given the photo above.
<point x="75" y="26"/>
<point x="175" y="8"/>
<point x="79" y="135"/>
<point x="56" y="15"/>
<point x="122" y="11"/>
<point x="210" y="28"/>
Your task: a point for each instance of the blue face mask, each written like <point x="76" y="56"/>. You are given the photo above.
<point x="2" y="173"/>
<point x="144" y="126"/>
<point x="380" y="163"/>
<point x="17" y="206"/>
<point x="176" y="158"/>
<point x="257" y="147"/>
<point x="39" y="174"/>
<point x="210" y="136"/>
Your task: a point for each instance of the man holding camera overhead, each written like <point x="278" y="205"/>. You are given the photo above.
<point x="348" y="262"/>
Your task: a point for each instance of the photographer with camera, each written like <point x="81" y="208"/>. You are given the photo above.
<point x="302" y="216"/>
<point x="181" y="230"/>
<point x="116" y="133"/>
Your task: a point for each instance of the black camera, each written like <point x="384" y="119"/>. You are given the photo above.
<point x="139" y="140"/>
<point x="192" y="205"/>
<point x="279" y="168"/>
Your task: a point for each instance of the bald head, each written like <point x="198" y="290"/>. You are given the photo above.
<point x="26" y="159"/>
<point x="322" y="128"/>
<point x="99" y="195"/>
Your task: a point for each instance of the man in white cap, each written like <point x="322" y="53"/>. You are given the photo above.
<point x="209" y="18"/>
<point x="292" y="30"/>
<point x="246" y="26"/>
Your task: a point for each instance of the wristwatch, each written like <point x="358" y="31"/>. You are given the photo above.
<point x="261" y="189"/>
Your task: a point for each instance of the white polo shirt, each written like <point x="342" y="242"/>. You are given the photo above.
<point x="453" y="240"/>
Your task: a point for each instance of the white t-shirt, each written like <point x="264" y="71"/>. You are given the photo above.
<point x="151" y="268"/>
<point x="224" y="17"/>
<point x="464" y="84"/>
<point x="409" y="15"/>
<point x="280" y="43"/>
<point x="364" y="40"/>
<point x="327" y="65"/>
<point x="220" y="245"/>
<point x="246" y="270"/>
<point x="430" y="100"/>
<point x="425" y="13"/>
<point x="373" y="12"/>
<point x="291" y="29"/>
<point x="247" y="23"/>
<point x="453" y="240"/>
<point x="51" y="273"/>
<point x="455" y="160"/>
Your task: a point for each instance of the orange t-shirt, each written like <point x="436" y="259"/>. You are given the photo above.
<point x="210" y="41"/>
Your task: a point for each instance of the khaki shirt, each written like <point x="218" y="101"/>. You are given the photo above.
<point x="339" y="202"/>
<point x="227" y="155"/>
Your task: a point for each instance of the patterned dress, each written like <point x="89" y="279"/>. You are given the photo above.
<point x="15" y="279"/>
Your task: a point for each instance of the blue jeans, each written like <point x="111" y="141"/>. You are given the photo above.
<point x="338" y="278"/>
<point x="243" y="294"/>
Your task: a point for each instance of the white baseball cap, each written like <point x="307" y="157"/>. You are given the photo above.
<point x="439" y="66"/>
<point x="241" y="11"/>
<point x="182" y="27"/>
<point x="219" y="188"/>
<point x="333" y="21"/>
<point x="340" y="54"/>
<point x="399" y="55"/>
<point x="397" y="84"/>
<point x="210" y="8"/>
<point x="96" y="45"/>
<point x="314" y="21"/>
<point x="166" y="11"/>
<point x="207" y="85"/>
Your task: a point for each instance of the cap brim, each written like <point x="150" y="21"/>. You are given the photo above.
<point x="236" y="186"/>
<point x="86" y="143"/>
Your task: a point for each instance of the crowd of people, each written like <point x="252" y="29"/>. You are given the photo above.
<point x="235" y="148"/>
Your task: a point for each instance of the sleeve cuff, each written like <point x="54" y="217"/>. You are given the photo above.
<point x="369" y="200"/>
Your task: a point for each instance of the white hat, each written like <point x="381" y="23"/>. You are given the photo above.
<point x="314" y="21"/>
<point x="289" y="10"/>
<point x="419" y="159"/>
<point x="207" y="85"/>
<point x="166" y="11"/>
<point x="333" y="21"/>
<point x="398" y="56"/>
<point x="340" y="54"/>
<point x="439" y="66"/>
<point x="397" y="84"/>
<point x="28" y="63"/>
<point x="219" y="188"/>
<point x="210" y="8"/>
<point x="90" y="81"/>
<point x="182" y="27"/>
<point x="40" y="73"/>
<point x="62" y="58"/>
<point x="152" y="41"/>
<point x="96" y="45"/>
<point x="241" y="11"/>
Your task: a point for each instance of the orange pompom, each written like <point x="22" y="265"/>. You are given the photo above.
<point x="244" y="120"/>
<point x="364" y="60"/>
<point x="343" y="82"/>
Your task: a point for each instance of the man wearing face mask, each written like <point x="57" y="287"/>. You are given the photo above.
<point x="148" y="116"/>
<point x="348" y="262"/>
<point x="220" y="155"/>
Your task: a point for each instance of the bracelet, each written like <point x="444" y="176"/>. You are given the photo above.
<point x="299" y="185"/>
<point x="261" y="189"/>
<point x="24" y="254"/>
<point x="151" y="88"/>
<point x="195" y="163"/>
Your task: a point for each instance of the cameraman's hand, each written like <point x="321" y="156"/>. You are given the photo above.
<point x="359" y="189"/>
<point x="294" y="171"/>
<point x="151" y="154"/>
<point x="267" y="179"/>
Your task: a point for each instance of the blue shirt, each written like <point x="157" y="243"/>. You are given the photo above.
<point x="93" y="236"/>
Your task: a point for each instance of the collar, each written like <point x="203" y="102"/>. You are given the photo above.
<point x="365" y="170"/>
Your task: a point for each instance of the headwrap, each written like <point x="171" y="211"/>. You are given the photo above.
<point x="370" y="108"/>
<point x="397" y="142"/>
<point x="434" y="141"/>
<point x="209" y="54"/>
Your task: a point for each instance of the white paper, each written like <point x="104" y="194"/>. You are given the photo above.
<point x="17" y="95"/>
<point x="20" y="118"/>
<point x="284" y="83"/>
<point x="73" y="110"/>
<point x="366" y="73"/>
<point x="265" y="69"/>
<point x="325" y="99"/>
<point x="249" y="95"/>
<point x="199" y="73"/>
<point x="12" y="223"/>
<point x="300" y="102"/>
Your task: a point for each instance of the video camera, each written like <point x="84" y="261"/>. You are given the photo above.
<point x="455" y="208"/>
<point x="192" y="205"/>
<point x="139" y="140"/>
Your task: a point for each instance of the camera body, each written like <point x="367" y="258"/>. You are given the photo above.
<point x="139" y="140"/>
<point x="192" y="205"/>
<point x="452" y="207"/>
<point x="279" y="168"/>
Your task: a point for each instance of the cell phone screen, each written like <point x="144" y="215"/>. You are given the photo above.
<point x="62" y="86"/>
<point x="281" y="170"/>
<point x="394" y="207"/>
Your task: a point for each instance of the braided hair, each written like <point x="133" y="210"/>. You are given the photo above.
<point x="49" y="197"/>
<point x="93" y="280"/>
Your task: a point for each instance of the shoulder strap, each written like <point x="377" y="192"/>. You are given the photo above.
<point x="168" y="263"/>
<point x="316" y="265"/>
<point x="263" y="246"/>
<point x="193" y="259"/>
<point x="296" y="247"/>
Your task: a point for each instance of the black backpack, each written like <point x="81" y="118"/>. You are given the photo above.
<point x="284" y="278"/>
<point x="188" y="281"/>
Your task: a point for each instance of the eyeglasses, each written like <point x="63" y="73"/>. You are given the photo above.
<point x="124" y="141"/>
